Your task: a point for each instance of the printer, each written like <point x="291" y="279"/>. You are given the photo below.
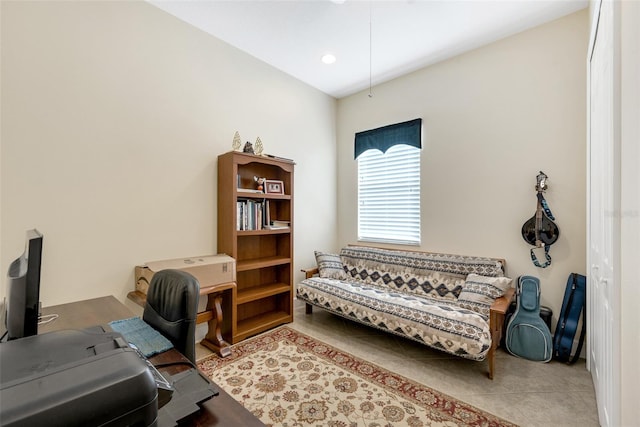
<point x="75" y="378"/>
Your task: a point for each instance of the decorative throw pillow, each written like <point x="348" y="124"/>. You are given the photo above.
<point x="330" y="266"/>
<point x="482" y="289"/>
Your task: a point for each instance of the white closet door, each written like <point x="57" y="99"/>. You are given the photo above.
<point x="604" y="225"/>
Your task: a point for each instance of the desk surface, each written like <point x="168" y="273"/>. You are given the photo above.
<point x="84" y="314"/>
<point x="221" y="410"/>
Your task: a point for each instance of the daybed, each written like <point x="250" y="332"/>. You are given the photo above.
<point x="453" y="303"/>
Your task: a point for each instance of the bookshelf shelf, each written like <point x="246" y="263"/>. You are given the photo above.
<point x="258" y="263"/>
<point x="263" y="232"/>
<point x="260" y="292"/>
<point x="254" y="325"/>
<point x="262" y="196"/>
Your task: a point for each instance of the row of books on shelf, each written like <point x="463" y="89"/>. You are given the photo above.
<point x="255" y="215"/>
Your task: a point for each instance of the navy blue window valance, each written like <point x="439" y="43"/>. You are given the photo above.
<point x="385" y="137"/>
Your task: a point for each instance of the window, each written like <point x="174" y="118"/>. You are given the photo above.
<point x="389" y="193"/>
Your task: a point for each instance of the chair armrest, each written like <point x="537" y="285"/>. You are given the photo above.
<point x="496" y="323"/>
<point x="309" y="272"/>
<point x="501" y="305"/>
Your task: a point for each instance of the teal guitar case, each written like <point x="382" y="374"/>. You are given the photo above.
<point x="528" y="336"/>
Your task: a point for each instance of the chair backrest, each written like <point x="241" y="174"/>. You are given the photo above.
<point x="172" y="307"/>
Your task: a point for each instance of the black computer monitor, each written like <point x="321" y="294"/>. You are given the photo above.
<point x="23" y="289"/>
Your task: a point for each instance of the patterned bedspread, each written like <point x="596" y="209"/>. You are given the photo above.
<point x="439" y="324"/>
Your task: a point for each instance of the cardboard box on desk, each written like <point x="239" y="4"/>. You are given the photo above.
<point x="210" y="270"/>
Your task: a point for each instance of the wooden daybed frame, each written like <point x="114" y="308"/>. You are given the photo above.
<point x="497" y="315"/>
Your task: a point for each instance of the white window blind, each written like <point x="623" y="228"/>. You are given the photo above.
<point x="389" y="195"/>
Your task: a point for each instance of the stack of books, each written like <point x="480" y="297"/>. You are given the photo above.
<point x="277" y="224"/>
<point x="252" y="214"/>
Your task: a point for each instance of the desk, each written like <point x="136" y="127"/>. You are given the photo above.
<point x="221" y="410"/>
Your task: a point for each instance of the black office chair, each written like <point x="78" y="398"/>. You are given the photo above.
<point x="172" y="307"/>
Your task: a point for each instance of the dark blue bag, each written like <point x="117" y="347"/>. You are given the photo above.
<point x="528" y="336"/>
<point x="573" y="307"/>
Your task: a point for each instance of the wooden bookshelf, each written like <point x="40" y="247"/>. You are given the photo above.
<point x="264" y="257"/>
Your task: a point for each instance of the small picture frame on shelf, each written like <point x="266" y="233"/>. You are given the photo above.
<point x="272" y="186"/>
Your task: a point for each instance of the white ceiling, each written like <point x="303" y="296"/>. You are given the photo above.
<point x="405" y="34"/>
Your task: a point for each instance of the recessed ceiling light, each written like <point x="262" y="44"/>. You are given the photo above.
<point x="328" y="58"/>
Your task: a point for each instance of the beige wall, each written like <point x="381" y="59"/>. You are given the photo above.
<point x="492" y="119"/>
<point x="113" y="115"/>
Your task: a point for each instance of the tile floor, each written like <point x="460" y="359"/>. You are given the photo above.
<point x="523" y="392"/>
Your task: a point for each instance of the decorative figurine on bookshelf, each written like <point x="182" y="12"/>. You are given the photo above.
<point x="237" y="142"/>
<point x="259" y="182"/>
<point x="248" y="148"/>
<point x="257" y="147"/>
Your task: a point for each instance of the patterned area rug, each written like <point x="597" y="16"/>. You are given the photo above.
<point x="286" y="378"/>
